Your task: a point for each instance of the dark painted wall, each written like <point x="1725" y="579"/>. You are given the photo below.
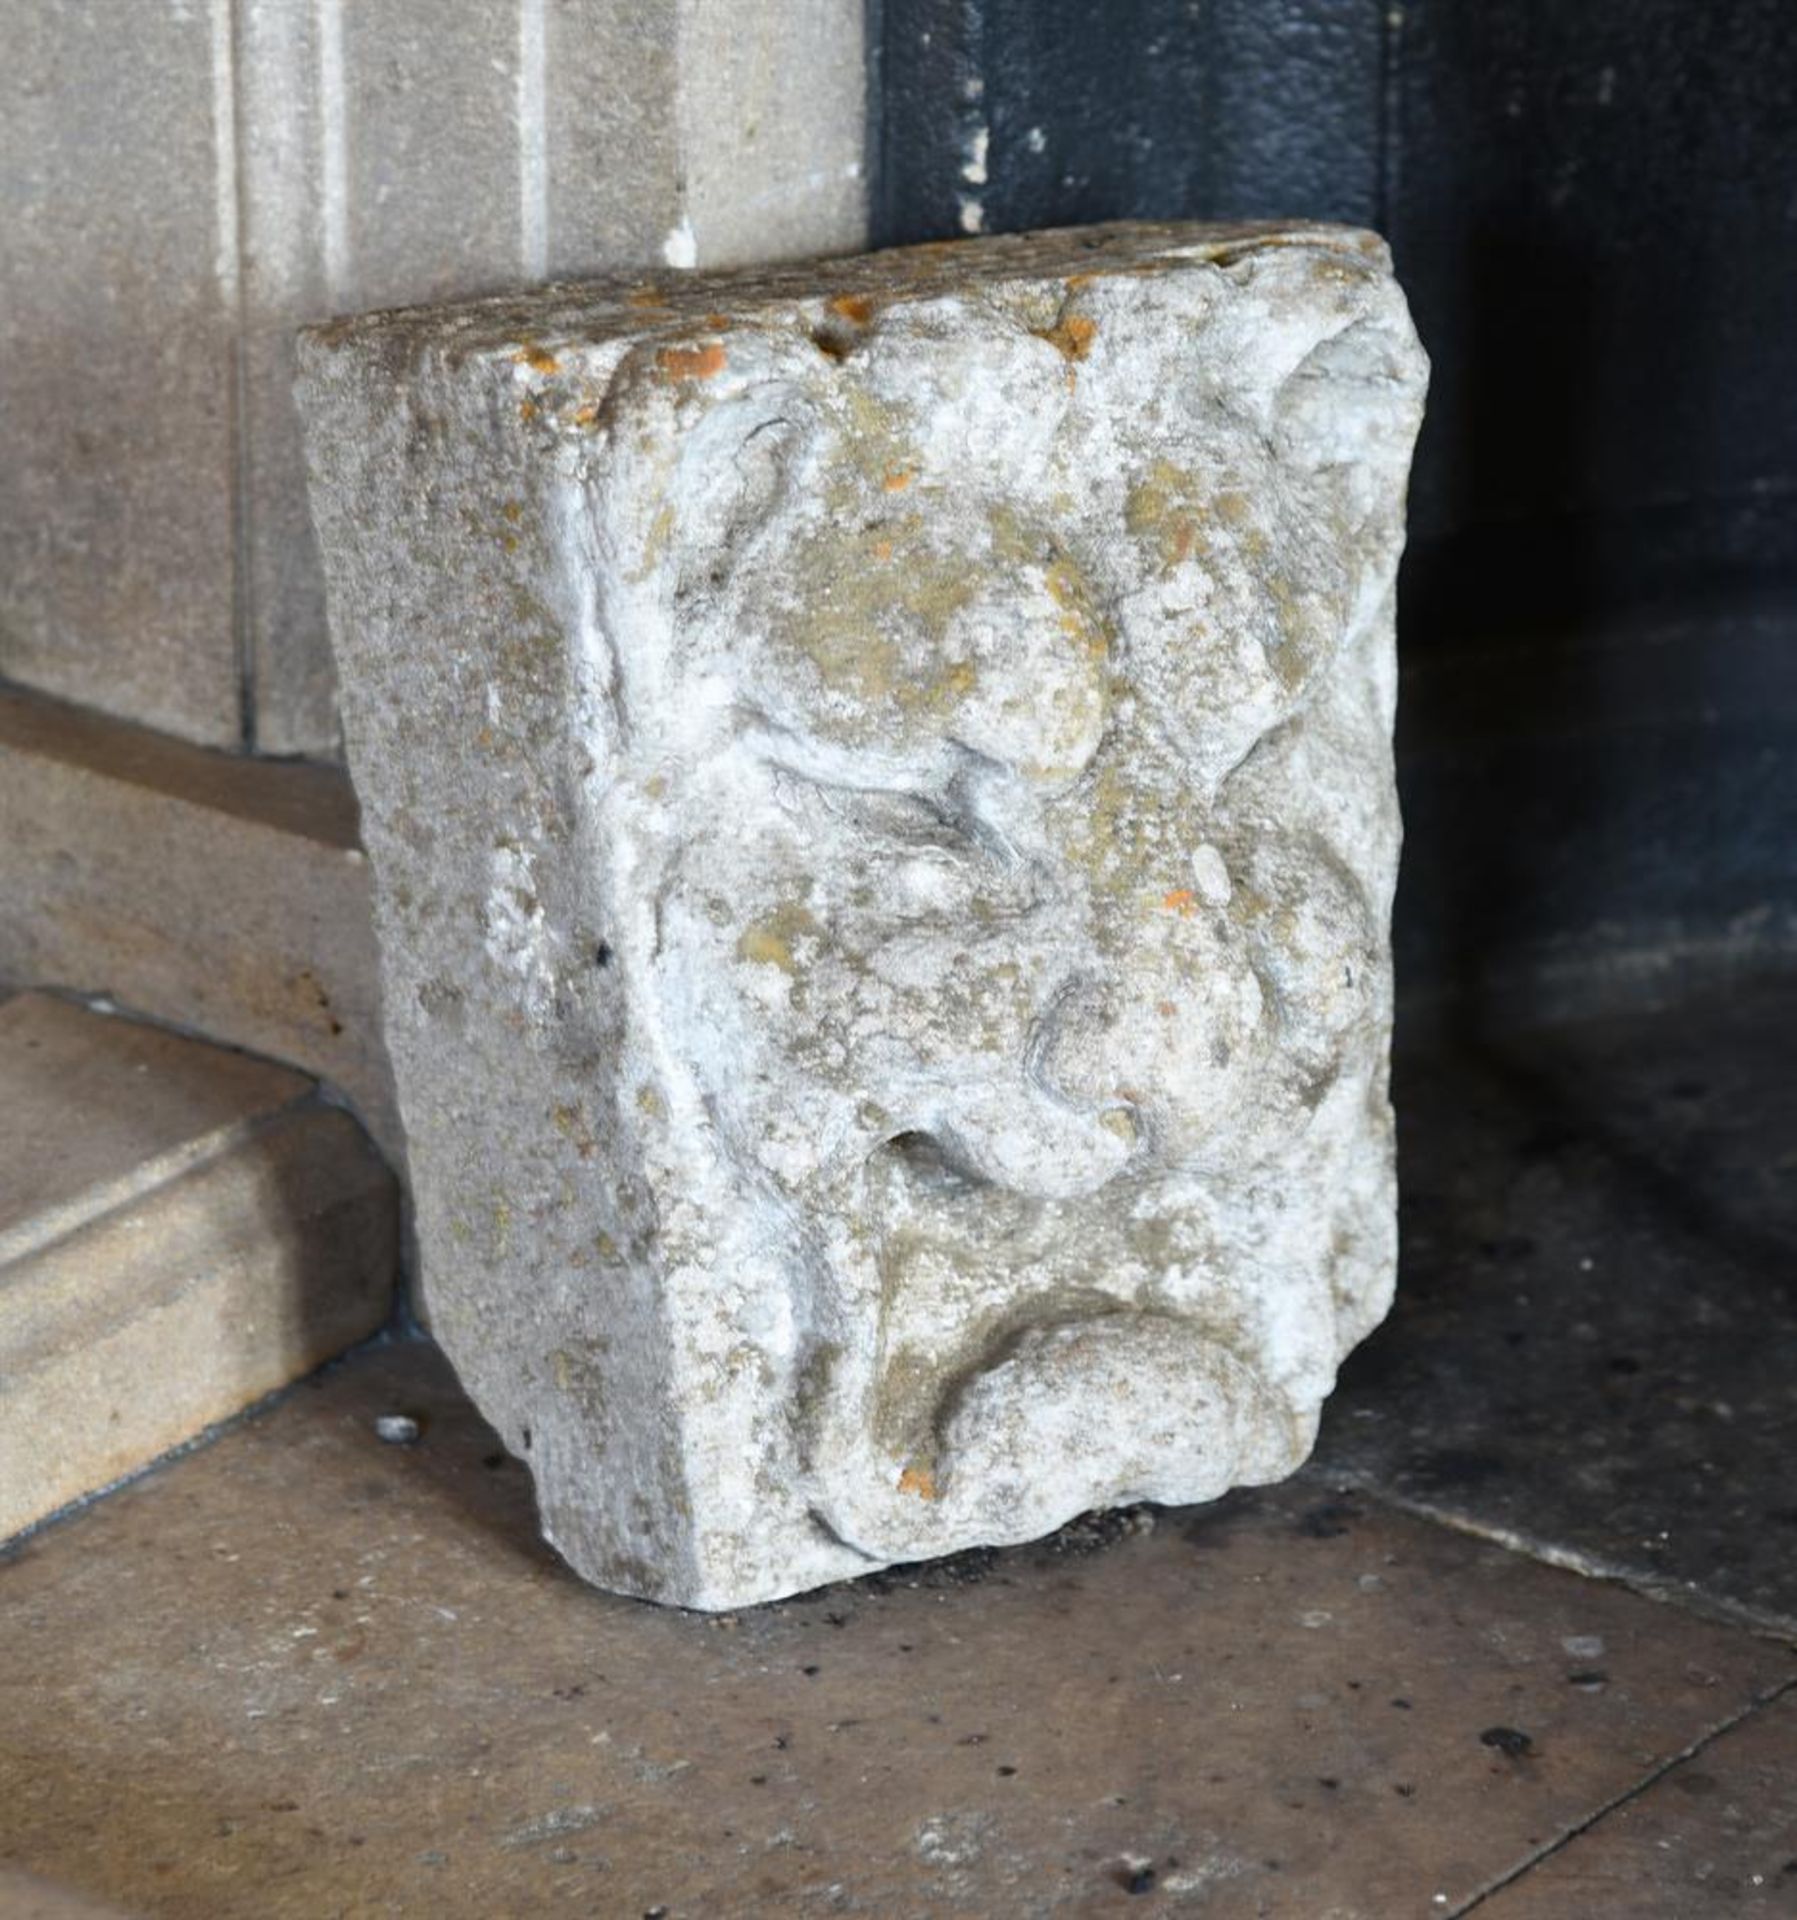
<point x="1157" y="108"/>
<point x="1593" y="207"/>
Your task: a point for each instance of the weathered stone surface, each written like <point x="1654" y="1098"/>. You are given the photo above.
<point x="879" y="785"/>
<point x="182" y="1230"/>
<point x="219" y="893"/>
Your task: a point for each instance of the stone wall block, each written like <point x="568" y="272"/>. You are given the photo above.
<point x="118" y="389"/>
<point x="399" y="154"/>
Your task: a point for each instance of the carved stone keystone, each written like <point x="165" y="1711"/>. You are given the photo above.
<point x="879" y="787"/>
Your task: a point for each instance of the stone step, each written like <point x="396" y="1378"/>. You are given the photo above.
<point x="183" y="1229"/>
<point x="217" y="893"/>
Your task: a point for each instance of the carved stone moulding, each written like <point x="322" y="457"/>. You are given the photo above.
<point x="879" y="787"/>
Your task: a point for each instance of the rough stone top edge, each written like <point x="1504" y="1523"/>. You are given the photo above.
<point x="848" y="287"/>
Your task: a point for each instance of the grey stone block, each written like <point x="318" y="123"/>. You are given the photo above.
<point x="879" y="784"/>
<point x="771" y="111"/>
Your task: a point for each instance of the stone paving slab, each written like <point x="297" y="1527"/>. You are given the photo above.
<point x="24" y="1897"/>
<point x="96" y="1111"/>
<point x="1716" y="1835"/>
<point x="1591" y="1350"/>
<point x="351" y="1681"/>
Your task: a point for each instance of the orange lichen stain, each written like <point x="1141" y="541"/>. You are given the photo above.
<point x="586" y="415"/>
<point x="692" y="363"/>
<point x="1071" y="337"/>
<point x="571" y="1124"/>
<point x="1063" y="583"/>
<point x="538" y="359"/>
<point x="527" y="411"/>
<point x="646" y="296"/>
<point x="765" y="947"/>
<point x="1180" y="900"/>
<point x="882" y="549"/>
<point x="661" y="530"/>
<point x="1166" y="1009"/>
<point x="1233" y="507"/>
<point x="854" y="307"/>
<point x="898" y="479"/>
<point x="920" y="1481"/>
<point x="718" y="322"/>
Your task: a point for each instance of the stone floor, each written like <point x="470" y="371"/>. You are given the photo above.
<point x="1523" y="1639"/>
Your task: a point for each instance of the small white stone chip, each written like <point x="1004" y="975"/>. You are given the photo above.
<point x="1210" y="876"/>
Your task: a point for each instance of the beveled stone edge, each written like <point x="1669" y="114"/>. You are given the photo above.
<point x="635" y="305"/>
